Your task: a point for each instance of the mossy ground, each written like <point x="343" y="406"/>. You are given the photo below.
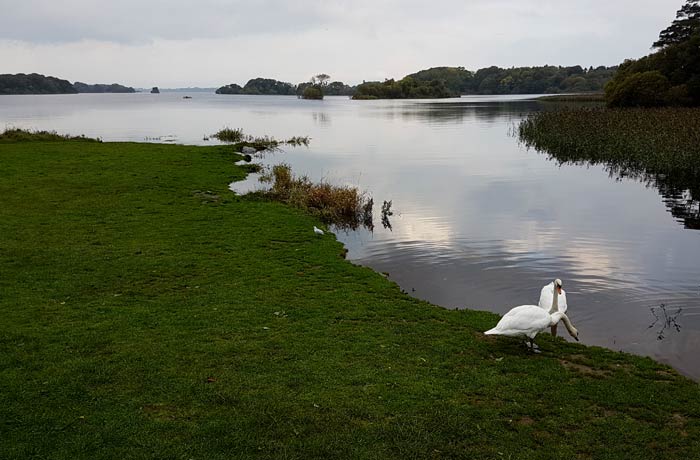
<point x="148" y="312"/>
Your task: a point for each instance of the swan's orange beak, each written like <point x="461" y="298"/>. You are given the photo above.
<point x="559" y="289"/>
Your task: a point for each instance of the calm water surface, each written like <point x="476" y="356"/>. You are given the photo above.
<point x="479" y="221"/>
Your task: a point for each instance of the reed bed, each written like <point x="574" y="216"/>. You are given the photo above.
<point x="662" y="141"/>
<point x="343" y="206"/>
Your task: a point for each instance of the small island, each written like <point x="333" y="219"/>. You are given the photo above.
<point x="155" y="90"/>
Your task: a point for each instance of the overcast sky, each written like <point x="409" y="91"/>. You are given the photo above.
<point x="176" y="43"/>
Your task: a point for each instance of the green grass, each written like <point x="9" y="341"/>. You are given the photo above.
<point x="147" y="312"/>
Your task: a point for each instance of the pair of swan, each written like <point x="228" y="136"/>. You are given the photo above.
<point x="529" y="320"/>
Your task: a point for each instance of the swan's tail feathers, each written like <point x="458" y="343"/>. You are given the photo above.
<point x="493" y="331"/>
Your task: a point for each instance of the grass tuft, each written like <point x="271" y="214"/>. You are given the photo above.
<point x="260" y="143"/>
<point x="344" y="206"/>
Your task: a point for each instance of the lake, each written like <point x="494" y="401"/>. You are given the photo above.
<point x="479" y="221"/>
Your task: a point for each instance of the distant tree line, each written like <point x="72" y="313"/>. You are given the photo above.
<point x="441" y="82"/>
<point x="671" y="75"/>
<point x="34" y="83"/>
<point x="520" y="80"/>
<point x="268" y="86"/>
<point x="406" y="88"/>
<point x="101" y="88"/>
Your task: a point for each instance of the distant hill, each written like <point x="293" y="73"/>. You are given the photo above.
<point x="102" y="88"/>
<point x="34" y="83"/>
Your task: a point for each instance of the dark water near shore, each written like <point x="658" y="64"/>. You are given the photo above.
<point x="479" y="221"/>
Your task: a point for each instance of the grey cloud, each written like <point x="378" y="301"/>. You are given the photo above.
<point x="130" y="21"/>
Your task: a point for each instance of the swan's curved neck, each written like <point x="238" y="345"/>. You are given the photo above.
<point x="555" y="300"/>
<point x="559" y="316"/>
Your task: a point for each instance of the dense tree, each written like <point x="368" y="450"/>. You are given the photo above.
<point x="101" y="88"/>
<point x="677" y="61"/>
<point x="686" y="24"/>
<point x="457" y="79"/>
<point x="34" y="84"/>
<point x="645" y="89"/>
<point x="519" y="80"/>
<point x="268" y="86"/>
<point x="312" y="92"/>
<point x="338" y="88"/>
<point x="320" y="79"/>
<point x="406" y="88"/>
<point x="230" y="89"/>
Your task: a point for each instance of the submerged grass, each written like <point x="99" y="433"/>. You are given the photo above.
<point x="147" y="312"/>
<point x="260" y="143"/>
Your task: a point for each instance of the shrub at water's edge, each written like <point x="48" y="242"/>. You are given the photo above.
<point x="343" y="206"/>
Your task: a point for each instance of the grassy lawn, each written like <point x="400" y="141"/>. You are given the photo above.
<point x="148" y="312"/>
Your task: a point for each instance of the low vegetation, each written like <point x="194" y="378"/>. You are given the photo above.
<point x="23" y="135"/>
<point x="239" y="140"/>
<point x="343" y="206"/>
<point x="148" y="312"/>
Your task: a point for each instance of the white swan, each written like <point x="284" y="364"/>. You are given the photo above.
<point x="546" y="296"/>
<point x="529" y="320"/>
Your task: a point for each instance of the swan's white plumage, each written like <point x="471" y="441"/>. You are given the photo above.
<point x="546" y="297"/>
<point x="529" y="320"/>
<point x="524" y="321"/>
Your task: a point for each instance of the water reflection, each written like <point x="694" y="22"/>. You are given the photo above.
<point x="665" y="320"/>
<point x="680" y="192"/>
<point x="321" y="118"/>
